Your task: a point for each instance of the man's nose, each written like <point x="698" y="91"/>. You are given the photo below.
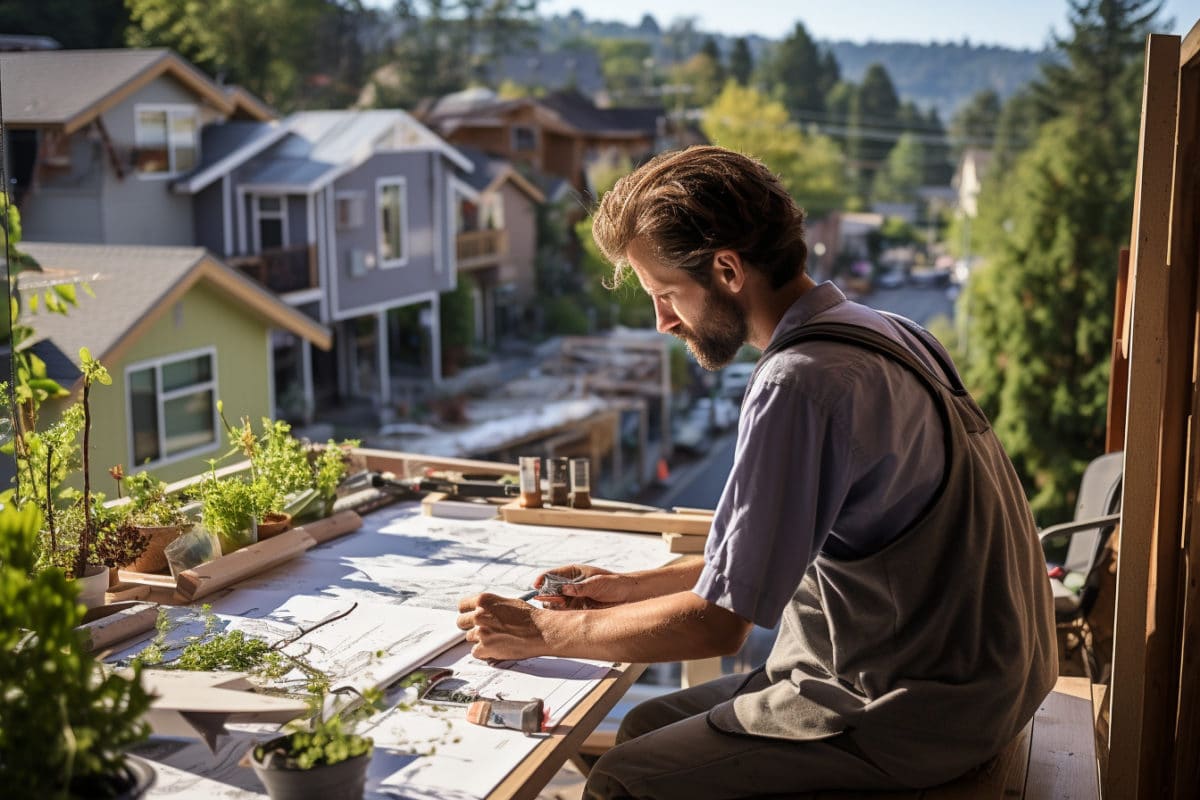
<point x="664" y="315"/>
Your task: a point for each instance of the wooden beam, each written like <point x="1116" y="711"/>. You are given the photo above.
<point x="1118" y="372"/>
<point x="1185" y="256"/>
<point x="1146" y="414"/>
<point x="1189" y="53"/>
<point x="1062" y="755"/>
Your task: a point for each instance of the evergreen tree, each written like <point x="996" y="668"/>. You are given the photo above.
<point x="939" y="166"/>
<point x="713" y="53"/>
<point x="974" y="124"/>
<point x="873" y="120"/>
<point x="741" y="62"/>
<point x="1039" y="312"/>
<point x="903" y="172"/>
<point x="1015" y="130"/>
<point x="798" y="71"/>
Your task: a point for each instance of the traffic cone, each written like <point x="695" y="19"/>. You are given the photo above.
<point x="663" y="471"/>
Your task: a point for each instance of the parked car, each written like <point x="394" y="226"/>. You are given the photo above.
<point x="720" y="413"/>
<point x="734" y="379"/>
<point x="892" y="279"/>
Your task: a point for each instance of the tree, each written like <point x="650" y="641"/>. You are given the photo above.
<point x="903" y="172"/>
<point x="1039" y="313"/>
<point x="697" y="81"/>
<point x="974" y="124"/>
<point x="624" y="63"/>
<point x="1016" y="129"/>
<point x="810" y="165"/>
<point x="799" y="72"/>
<point x="74" y="25"/>
<point x="741" y="62"/>
<point x="710" y="49"/>
<point x="873" y="121"/>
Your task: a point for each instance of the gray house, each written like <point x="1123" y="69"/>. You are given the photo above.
<point x="349" y="216"/>
<point x="93" y="137"/>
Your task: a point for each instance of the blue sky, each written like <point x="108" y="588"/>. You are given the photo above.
<point x="1013" y="23"/>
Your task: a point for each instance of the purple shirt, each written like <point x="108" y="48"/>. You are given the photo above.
<point x="838" y="447"/>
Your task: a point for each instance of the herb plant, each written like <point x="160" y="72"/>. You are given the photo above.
<point x="149" y="504"/>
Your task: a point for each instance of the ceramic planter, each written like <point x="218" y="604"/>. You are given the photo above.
<point x="342" y="781"/>
<point x="92" y="586"/>
<point x="273" y="524"/>
<point x="136" y="778"/>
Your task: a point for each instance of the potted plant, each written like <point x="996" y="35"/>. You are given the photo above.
<point x="76" y="720"/>
<point x="229" y="508"/>
<point x="155" y="514"/>
<point x="323" y="759"/>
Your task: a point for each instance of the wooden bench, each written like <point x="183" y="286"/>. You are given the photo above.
<point x="1054" y="756"/>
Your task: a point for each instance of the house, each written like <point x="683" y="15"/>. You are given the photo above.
<point x="560" y="134"/>
<point x="349" y="216"/>
<point x="178" y="331"/>
<point x="92" y="138"/>
<point x="968" y="180"/>
<point x="497" y="244"/>
<point x="562" y="69"/>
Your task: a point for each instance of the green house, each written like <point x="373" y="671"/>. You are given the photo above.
<point x="178" y="331"/>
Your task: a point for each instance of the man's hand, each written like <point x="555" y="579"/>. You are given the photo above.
<point x="502" y="628"/>
<point x="596" y="588"/>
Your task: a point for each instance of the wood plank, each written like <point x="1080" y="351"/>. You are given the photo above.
<point x="1118" y="363"/>
<point x="1189" y="52"/>
<point x="684" y="543"/>
<point x="1185" y="252"/>
<point x="201" y="581"/>
<point x="117" y="622"/>
<point x="1062" y="753"/>
<point x="1146" y="410"/>
<point x="535" y="771"/>
<point x="606" y="520"/>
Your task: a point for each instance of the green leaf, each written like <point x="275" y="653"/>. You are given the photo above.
<point x="67" y="292"/>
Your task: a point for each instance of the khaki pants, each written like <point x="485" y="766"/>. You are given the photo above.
<point x="666" y="749"/>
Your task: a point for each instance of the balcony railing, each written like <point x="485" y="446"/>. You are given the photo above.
<point x="282" y="270"/>
<point x="481" y="248"/>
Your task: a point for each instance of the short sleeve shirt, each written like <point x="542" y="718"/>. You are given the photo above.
<point x="838" y="447"/>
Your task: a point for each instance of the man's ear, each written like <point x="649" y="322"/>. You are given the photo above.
<point x="728" y="270"/>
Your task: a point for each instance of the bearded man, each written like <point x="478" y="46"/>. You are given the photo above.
<point x="870" y="512"/>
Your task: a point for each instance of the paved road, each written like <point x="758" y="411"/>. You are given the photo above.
<point x="918" y="303"/>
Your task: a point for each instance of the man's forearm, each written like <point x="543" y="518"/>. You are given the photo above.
<point x="672" y="578"/>
<point x="674" y="627"/>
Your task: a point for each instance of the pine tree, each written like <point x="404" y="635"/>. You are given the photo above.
<point x="974" y="124"/>
<point x="741" y="62"/>
<point x="874" y="112"/>
<point x="800" y="72"/>
<point x="1039" y="313"/>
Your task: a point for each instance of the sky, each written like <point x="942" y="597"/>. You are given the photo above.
<point x="1012" y="23"/>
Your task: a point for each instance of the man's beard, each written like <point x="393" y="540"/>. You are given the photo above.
<point x="721" y="333"/>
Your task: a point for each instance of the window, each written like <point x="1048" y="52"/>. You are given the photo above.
<point x="349" y="210"/>
<point x="393" y="222"/>
<point x="524" y="138"/>
<point x="172" y="407"/>
<point x="166" y="138"/>
<point x="270" y="226"/>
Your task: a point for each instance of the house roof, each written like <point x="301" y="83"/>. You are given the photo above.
<point x="491" y="171"/>
<point x="564" y="110"/>
<point x="317" y="146"/>
<point x="558" y="70"/>
<point x="134" y="286"/>
<point x="70" y="88"/>
<point x="582" y="113"/>
<point x="247" y="105"/>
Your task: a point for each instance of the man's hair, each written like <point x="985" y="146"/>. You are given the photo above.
<point x="688" y="204"/>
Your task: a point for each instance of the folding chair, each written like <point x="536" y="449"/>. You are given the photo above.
<point x="1075" y="578"/>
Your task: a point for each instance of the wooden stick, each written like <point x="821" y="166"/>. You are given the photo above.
<point x="339" y="524"/>
<point x="649" y="522"/>
<point x="126" y="620"/>
<point x="197" y="582"/>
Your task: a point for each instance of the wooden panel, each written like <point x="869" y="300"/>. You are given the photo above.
<point x="1118" y="374"/>
<point x="1062" y="753"/>
<point x="1185" y="253"/>
<point x="535" y="771"/>
<point x="1189" y="53"/>
<point x="608" y="520"/>
<point x="1146" y="411"/>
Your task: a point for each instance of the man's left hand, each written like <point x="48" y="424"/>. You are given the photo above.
<point x="502" y="628"/>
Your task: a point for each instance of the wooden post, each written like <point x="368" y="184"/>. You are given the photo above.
<point x="1118" y="373"/>
<point x="1185" y="255"/>
<point x="1143" y="511"/>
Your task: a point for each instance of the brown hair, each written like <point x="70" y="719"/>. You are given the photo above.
<point x="688" y="204"/>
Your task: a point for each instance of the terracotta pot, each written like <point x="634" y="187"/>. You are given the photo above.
<point x="342" y="781"/>
<point x="92" y="586"/>
<point x="152" y="558"/>
<point x="273" y="525"/>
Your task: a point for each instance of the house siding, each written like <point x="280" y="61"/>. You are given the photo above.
<point x="205" y="318"/>
<point x="209" y="218"/>
<point x="142" y="210"/>
<point x="520" y="224"/>
<point x="65" y="204"/>
<point x="427" y="269"/>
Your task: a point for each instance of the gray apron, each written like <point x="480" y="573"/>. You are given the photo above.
<point x="935" y="651"/>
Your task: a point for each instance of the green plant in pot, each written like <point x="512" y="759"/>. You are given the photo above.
<point x="155" y="514"/>
<point x="76" y="720"/>
<point x="229" y="508"/>
<point x="323" y="759"/>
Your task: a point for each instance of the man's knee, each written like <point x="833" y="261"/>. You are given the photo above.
<point x="647" y="716"/>
<point x="602" y="784"/>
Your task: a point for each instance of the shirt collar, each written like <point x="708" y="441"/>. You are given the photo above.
<point x="816" y="300"/>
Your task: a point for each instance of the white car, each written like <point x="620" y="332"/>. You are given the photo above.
<point x="734" y="379"/>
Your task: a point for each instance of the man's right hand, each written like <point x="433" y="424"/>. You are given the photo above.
<point x="596" y="588"/>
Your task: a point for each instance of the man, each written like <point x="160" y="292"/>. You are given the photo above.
<point x="871" y="513"/>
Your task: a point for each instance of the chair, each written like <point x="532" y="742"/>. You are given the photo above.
<point x="1075" y="577"/>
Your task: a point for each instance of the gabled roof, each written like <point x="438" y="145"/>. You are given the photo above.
<point x="247" y="105"/>
<point x="315" y="147"/>
<point x="490" y="172"/>
<point x="566" y="110"/>
<point x="134" y="286"/>
<point x="585" y="115"/>
<point x="70" y="88"/>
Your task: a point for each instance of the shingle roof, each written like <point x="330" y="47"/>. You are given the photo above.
<point x="487" y="168"/>
<point x="583" y="114"/>
<point x="61" y="87"/>
<point x="218" y="141"/>
<point x="128" y="281"/>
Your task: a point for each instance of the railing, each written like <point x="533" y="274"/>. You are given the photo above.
<point x="481" y="248"/>
<point x="282" y="270"/>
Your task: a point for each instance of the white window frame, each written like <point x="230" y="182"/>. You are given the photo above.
<point x="258" y="214"/>
<point x="358" y="203"/>
<point x="380" y="185"/>
<point x="161" y="398"/>
<point x="172" y="110"/>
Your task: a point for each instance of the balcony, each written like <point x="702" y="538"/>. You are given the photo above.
<point x="477" y="249"/>
<point x="282" y="270"/>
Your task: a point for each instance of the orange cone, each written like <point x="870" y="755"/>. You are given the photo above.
<point x="663" y="472"/>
